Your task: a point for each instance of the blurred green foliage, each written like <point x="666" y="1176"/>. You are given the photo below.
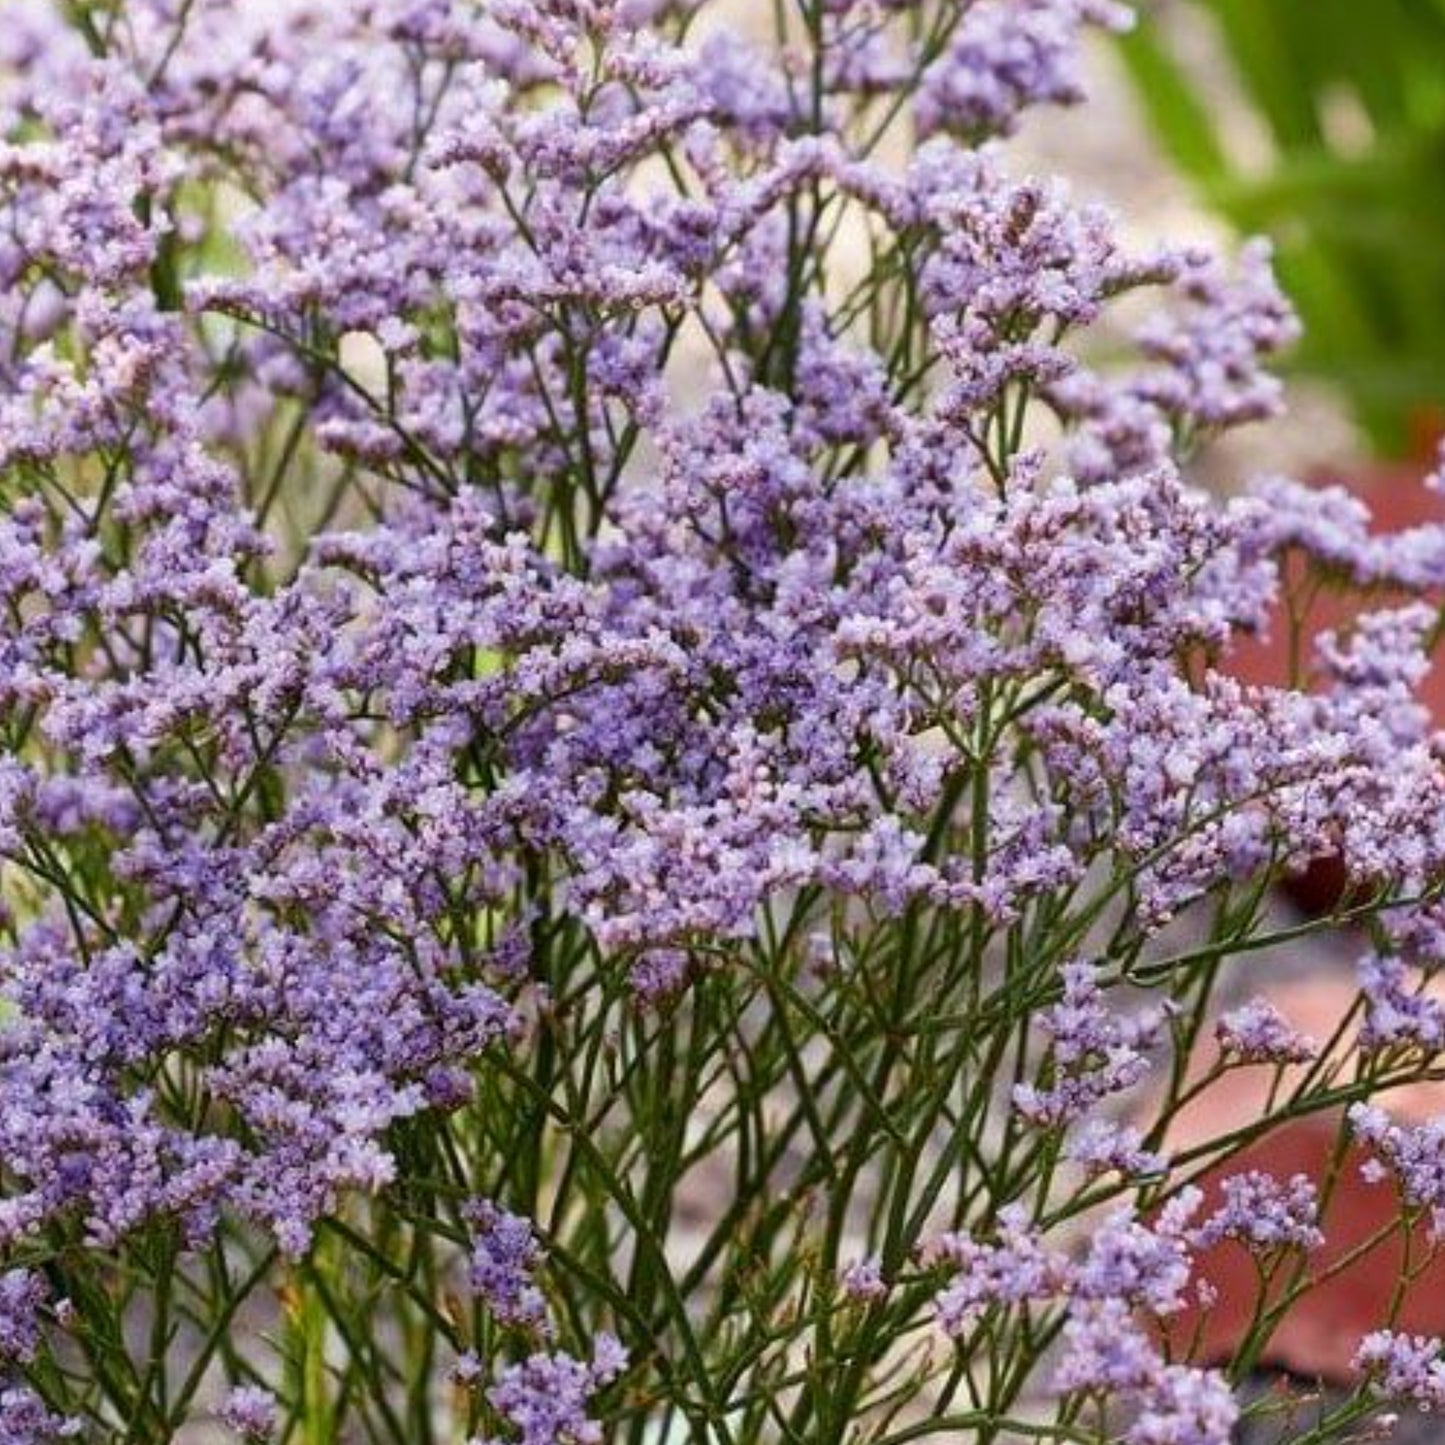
<point x="1351" y="96"/>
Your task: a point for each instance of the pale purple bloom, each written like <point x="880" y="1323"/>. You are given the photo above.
<point x="500" y="1270"/>
<point x="467" y="1369"/>
<point x="1126" y="1261"/>
<point x="1105" y="1350"/>
<point x="659" y="974"/>
<point x="1257" y="1033"/>
<point x="1333" y="528"/>
<point x="544" y="1399"/>
<point x="1404" y="1367"/>
<point x="1411" y="1156"/>
<point x="1006" y="56"/>
<point x="251" y="1412"/>
<point x="1107" y="1353"/>
<point x="1210" y="354"/>
<point x="1185" y="1406"/>
<point x="25" y="1420"/>
<point x="1015" y="1268"/>
<point x="863" y="1282"/>
<point x="1264" y="1214"/>
<point x="1143" y="1264"/>
<point x="1398" y="1010"/>
<point x="23" y="1294"/>
<point x="1095" y="1053"/>
<point x="1101" y="1145"/>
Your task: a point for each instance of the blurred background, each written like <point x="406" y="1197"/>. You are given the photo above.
<point x="1320" y="123"/>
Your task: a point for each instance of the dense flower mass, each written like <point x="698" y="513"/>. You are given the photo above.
<point x="1264" y="1215"/>
<point x="576" y="610"/>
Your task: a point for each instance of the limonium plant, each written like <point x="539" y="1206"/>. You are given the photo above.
<point x="621" y="795"/>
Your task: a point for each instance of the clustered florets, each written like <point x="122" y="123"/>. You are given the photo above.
<point x="1264" y="1214"/>
<point x="1404" y="1367"/>
<point x="251" y="1412"/>
<point x="1096" y="1054"/>
<point x="647" y="577"/>
<point x="1258" y="1033"/>
<point x="1411" y="1157"/>
<point x="504" y="1255"/>
<point x="1129" y="1273"/>
<point x="544" y="1399"/>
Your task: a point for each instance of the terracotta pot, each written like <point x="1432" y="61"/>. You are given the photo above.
<point x="1320" y="1332"/>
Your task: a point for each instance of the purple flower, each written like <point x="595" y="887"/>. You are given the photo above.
<point x="467" y="1369"/>
<point x="1006" y="56"/>
<point x="863" y="1282"/>
<point x="1264" y="1214"/>
<point x="1412" y="1156"/>
<point x="659" y="974"/>
<point x="1404" y="1367"/>
<point x="23" y="1294"/>
<point x="1095" y="1054"/>
<point x="544" y="1399"/>
<point x="1101" y="1146"/>
<point x="25" y="1420"/>
<point x="1209" y="356"/>
<point x="504" y="1255"/>
<point x="1257" y="1033"/>
<point x="1106" y="1353"/>
<point x="474" y="553"/>
<point x="251" y="1412"/>
<point x="1185" y="1406"/>
<point x="1018" y="1267"/>
<point x="1142" y="1264"/>
<point x="1396" y="1013"/>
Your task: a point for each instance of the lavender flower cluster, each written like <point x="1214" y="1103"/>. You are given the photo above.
<point x="578" y="610"/>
